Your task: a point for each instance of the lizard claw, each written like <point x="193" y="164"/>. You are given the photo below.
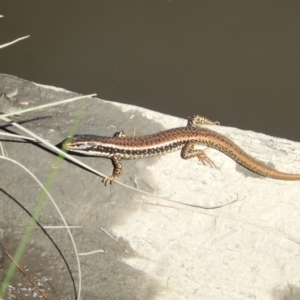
<point x="108" y="179"/>
<point x="206" y="160"/>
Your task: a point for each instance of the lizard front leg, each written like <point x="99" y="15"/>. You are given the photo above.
<point x="117" y="170"/>
<point x="119" y="134"/>
<point x="116" y="162"/>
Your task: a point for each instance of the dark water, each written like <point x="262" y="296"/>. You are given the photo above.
<point x="233" y="61"/>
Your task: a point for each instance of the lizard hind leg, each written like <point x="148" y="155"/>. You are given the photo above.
<point x="197" y="120"/>
<point x="188" y="152"/>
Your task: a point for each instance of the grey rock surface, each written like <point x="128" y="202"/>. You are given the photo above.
<point x="161" y="249"/>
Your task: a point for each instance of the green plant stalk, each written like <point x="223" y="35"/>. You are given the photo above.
<point x="30" y="226"/>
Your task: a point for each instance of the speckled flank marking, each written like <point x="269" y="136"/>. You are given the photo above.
<point x="121" y="147"/>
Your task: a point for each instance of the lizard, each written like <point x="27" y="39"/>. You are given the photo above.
<point x="121" y="147"/>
